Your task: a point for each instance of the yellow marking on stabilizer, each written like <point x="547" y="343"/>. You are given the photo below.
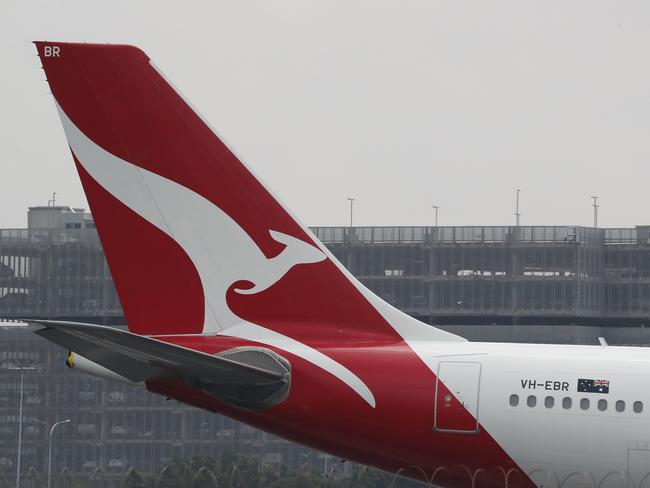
<point x="69" y="362"/>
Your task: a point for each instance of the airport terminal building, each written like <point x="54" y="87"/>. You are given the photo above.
<point x="531" y="284"/>
<point x="56" y="269"/>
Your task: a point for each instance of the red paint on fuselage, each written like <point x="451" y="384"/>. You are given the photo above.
<point x="324" y="413"/>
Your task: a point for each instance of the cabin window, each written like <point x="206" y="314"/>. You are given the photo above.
<point x="567" y="403"/>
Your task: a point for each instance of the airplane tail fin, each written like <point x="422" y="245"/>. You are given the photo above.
<point x="195" y="243"/>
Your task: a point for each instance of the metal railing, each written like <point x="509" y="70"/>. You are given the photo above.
<point x="621" y="236"/>
<point x="393" y="234"/>
<point x="49" y="236"/>
<point x="475" y="234"/>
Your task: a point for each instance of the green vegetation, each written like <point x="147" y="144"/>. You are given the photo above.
<point x="231" y="471"/>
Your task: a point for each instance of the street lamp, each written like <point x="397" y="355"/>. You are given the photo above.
<point x="49" y="456"/>
<point x="53" y="201"/>
<point x="595" y="205"/>
<point x="22" y="370"/>
<point x="517" y="214"/>
<point x="351" y="208"/>
<point x="435" y="209"/>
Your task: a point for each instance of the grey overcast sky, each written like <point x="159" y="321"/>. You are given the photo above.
<point x="400" y="104"/>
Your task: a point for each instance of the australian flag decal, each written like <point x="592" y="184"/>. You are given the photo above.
<point x="593" y="386"/>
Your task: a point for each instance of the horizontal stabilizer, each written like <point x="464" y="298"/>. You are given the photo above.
<point x="139" y="358"/>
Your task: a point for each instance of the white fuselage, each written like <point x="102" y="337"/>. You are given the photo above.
<point x="528" y="400"/>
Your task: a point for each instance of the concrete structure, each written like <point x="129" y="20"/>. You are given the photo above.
<point x="59" y="217"/>
<point x="503" y="275"/>
<point x="443" y="275"/>
<point x="526" y="284"/>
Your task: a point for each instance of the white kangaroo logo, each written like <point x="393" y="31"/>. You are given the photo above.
<point x="272" y="270"/>
<point x="221" y="251"/>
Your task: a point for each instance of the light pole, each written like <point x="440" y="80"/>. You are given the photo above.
<point x="22" y="370"/>
<point x="595" y="205"/>
<point x="351" y="208"/>
<point x="435" y="209"/>
<point x="53" y="201"/>
<point x="517" y="214"/>
<point x="49" y="456"/>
